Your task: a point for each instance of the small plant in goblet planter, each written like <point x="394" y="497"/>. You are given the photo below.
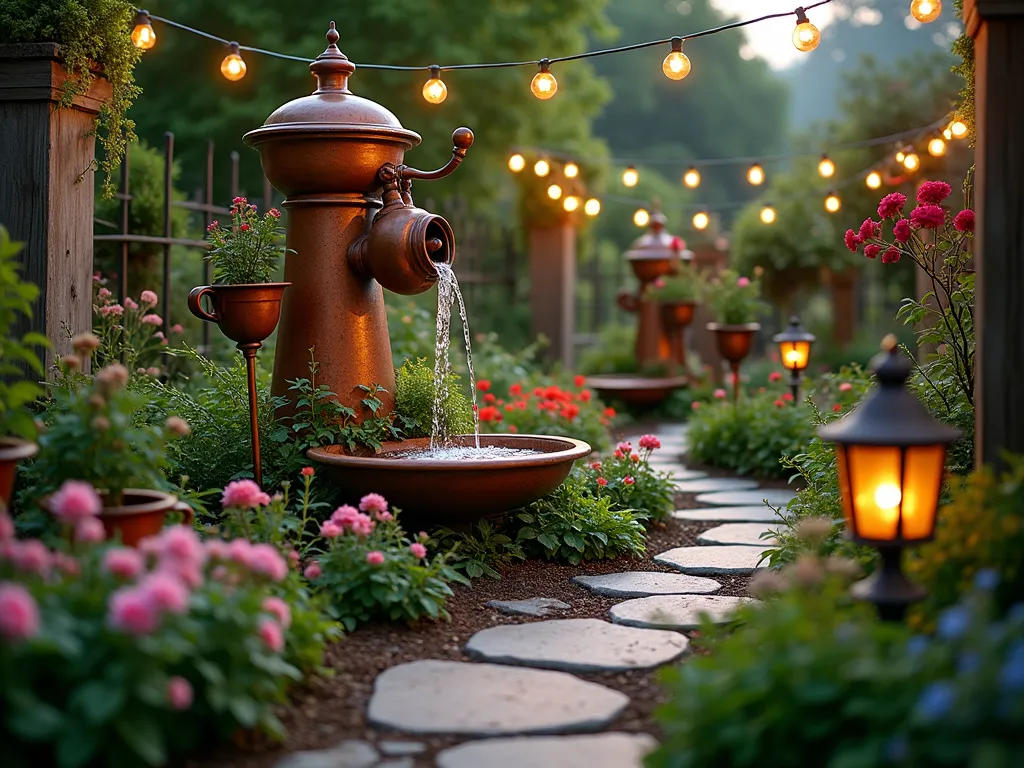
<point x="678" y="294"/>
<point x="244" y="303"/>
<point x="736" y="304"/>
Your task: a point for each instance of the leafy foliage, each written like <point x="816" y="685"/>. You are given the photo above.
<point x="481" y="551"/>
<point x="613" y="351"/>
<point x="631" y="482"/>
<point x="685" y="284"/>
<point x="129" y="333"/>
<point x="735" y="300"/>
<point x="414" y="401"/>
<point x="963" y="47"/>
<point x="248" y="251"/>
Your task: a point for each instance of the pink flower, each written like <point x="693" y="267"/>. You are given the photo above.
<point x="602" y="482"/>
<point x="695" y="405"/>
<point x="650" y="442"/>
<point x="774" y="376"/>
<point x="659" y="282"/>
<point x="787" y="396"/>
<point x="244" y="494"/>
<point x="779" y="404"/>
<point x="928" y="216"/>
<point x="307" y="471"/>
<point x="719" y="394"/>
<point x="891" y="205"/>
<point x="891" y="255"/>
<point x="181" y="543"/>
<point x="129" y="303"/>
<point x="165" y="592"/>
<point x="373" y="502"/>
<point x="271" y="635"/>
<point x="279" y="609"/>
<point x="152" y="319"/>
<point x="845" y="386"/>
<point x="418" y="550"/>
<point x="266" y="560"/>
<point x="132" y="611"/>
<point x="112" y="310"/>
<point x="624" y="447"/>
<point x="6" y="526"/>
<point x="123" y="562"/>
<point x="345" y="515"/>
<point x="149" y="298"/>
<point x="743" y="282"/>
<point x="275" y="213"/>
<point x="212" y="225"/>
<point x="376" y="557"/>
<point x="628" y="480"/>
<point x="179" y="693"/>
<point x="964" y="221"/>
<point x="871" y="250"/>
<point x="239" y="551"/>
<point x="901" y="231"/>
<point x="312" y="571"/>
<point x="75" y="500"/>
<point x="869" y="229"/>
<point x="330" y="529"/>
<point x="67" y="565"/>
<point x="30" y="556"/>
<point x="90" y="530"/>
<point x="104" y="293"/>
<point x="933" y="192"/>
<point x="19" y="614"/>
<point x="852" y="240"/>
<point x="177" y="328"/>
<point x="363" y="525"/>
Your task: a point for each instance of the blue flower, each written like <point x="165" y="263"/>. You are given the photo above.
<point x="1012" y="674"/>
<point x="986" y="579"/>
<point x="968" y="663"/>
<point x="917" y="645"/>
<point x="936" y="701"/>
<point x="953" y="623"/>
<point x="1016" y="613"/>
<point x="896" y="750"/>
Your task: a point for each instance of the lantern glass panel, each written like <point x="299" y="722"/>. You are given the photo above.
<point x="844" y="487"/>
<point x="922" y="479"/>
<point x="874" y="474"/>
<point x="795" y="354"/>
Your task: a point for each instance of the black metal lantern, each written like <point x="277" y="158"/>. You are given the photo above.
<point x="795" y="352"/>
<point x="891" y="455"/>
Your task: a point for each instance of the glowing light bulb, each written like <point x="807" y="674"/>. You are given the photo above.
<point x="911" y="161"/>
<point x="793" y="358"/>
<point x="768" y="214"/>
<point x="925" y="10"/>
<point x="832" y="202"/>
<point x="571" y="203"/>
<point x="701" y="220"/>
<point x="571" y="170"/>
<point x="143" y="35"/>
<point x="888" y="496"/>
<point x="516" y="163"/>
<point x="873" y="180"/>
<point x="692" y="178"/>
<point x="947" y="133"/>
<point x="233" y="67"/>
<point x="676" y="65"/>
<point x="544" y="85"/>
<point x="542" y="168"/>
<point x="900" y="156"/>
<point x="806" y="36"/>
<point x="434" y="90"/>
<point x="554" y="191"/>
<point x="641" y="218"/>
<point x="755" y="175"/>
<point x="630" y="177"/>
<point x="958" y="129"/>
<point x="592" y="207"/>
<point x="826" y="168"/>
<point x="937" y="147"/>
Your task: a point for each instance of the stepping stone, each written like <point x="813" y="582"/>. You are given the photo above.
<point x="604" y="750"/>
<point x="758" y="514"/>
<point x="713" y="561"/>
<point x="716" y="484"/>
<point x="347" y="754"/>
<point x="536" y="606"/>
<point x="677" y="612"/>
<point x="401" y="748"/>
<point x="684" y="475"/>
<point x="739" y="533"/>
<point x="398" y="762"/>
<point x="646" y="583"/>
<point x="576" y="645"/>
<point x="777" y="498"/>
<point x="460" y="698"/>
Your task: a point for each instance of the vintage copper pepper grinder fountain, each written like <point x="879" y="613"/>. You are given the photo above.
<point x="352" y="229"/>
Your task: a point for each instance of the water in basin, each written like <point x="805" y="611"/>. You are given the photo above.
<point x="459" y="453"/>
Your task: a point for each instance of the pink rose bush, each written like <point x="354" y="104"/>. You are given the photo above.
<point x="128" y="331"/>
<point x="629" y="480"/>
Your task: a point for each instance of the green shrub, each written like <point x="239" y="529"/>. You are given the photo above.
<point x="613" y="351"/>
<point x="481" y="551"/>
<point x="414" y="401"/>
<point x="630" y="481"/>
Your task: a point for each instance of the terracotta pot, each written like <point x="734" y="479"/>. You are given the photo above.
<point x="246" y="314"/>
<point x="12" y="450"/>
<point x="734" y="340"/>
<point x="142" y="513"/>
<point x="649" y="268"/>
<point x="677" y="314"/>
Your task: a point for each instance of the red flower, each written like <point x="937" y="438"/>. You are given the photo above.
<point x="627" y="480"/>
<point x="275" y="213"/>
<point x="602" y="482"/>
<point x="891" y="205"/>
<point x="852" y="240"/>
<point x="788" y="396"/>
<point x="650" y="442"/>
<point x="901" y="230"/>
<point x="585" y="396"/>
<point x="571" y="411"/>
<point x="837" y="407"/>
<point x="933" y="192"/>
<point x="774" y="376"/>
<point x="964" y="221"/>
<point x="928" y="216"/>
<point x="509" y="408"/>
<point x="513" y="428"/>
<point x="695" y="405"/>
<point x="307" y="471"/>
<point x="213" y="225"/>
<point x="538" y="391"/>
<point x="891" y="255"/>
<point x="490" y="413"/>
<point x="578" y="380"/>
<point x="239" y="200"/>
<point x="869" y="229"/>
<point x="483" y="385"/>
<point x="779" y="404"/>
<point x="521" y="405"/>
<point x="244" y="227"/>
<point x="596" y="466"/>
<point x="609" y="413"/>
<point x="489" y="398"/>
<point x="635" y="458"/>
<point x="871" y="250"/>
<point x="515" y="390"/>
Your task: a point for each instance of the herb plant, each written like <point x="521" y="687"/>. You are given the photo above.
<point x="735" y="300"/>
<point x="481" y="551"/>
<point x="249" y="251"/>
<point x="414" y="401"/>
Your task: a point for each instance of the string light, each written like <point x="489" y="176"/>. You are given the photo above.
<point x="641" y="217"/>
<point x="806" y="36"/>
<point x="571" y="170"/>
<point x="516" y="163"/>
<point x="592" y="207"/>
<point x="910" y="160"/>
<point x="544" y="85"/>
<point x="768" y="214"/>
<point x="630" y="177"/>
<point x="826" y="168"/>
<point x="900" y="156"/>
<point x="947" y="132"/>
<point x="692" y="178"/>
<point x="143" y="35"/>
<point x="701" y="220"/>
<point x="873" y="180"/>
<point x="554" y="191"/>
<point x="925" y="10"/>
<point x="542" y="168"/>
<point x="571" y="203"/>
<point x="676" y="65"/>
<point x="434" y="90"/>
<point x="233" y="67"/>
<point x="832" y="202"/>
<point x="958" y="129"/>
<point x="937" y="147"/>
<point x="755" y="175"/>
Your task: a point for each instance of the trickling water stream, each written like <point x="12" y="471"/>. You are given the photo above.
<point x="447" y="294"/>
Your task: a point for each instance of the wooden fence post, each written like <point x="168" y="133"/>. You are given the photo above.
<point x="552" y="255"/>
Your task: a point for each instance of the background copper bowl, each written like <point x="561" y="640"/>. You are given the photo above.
<point x="632" y="389"/>
<point x="453" y="492"/>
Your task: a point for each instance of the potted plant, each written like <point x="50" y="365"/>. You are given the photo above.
<point x="736" y="305"/>
<point x="93" y="435"/>
<point x="17" y="358"/>
<point x="678" y="294"/>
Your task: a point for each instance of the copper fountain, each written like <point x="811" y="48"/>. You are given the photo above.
<point x="353" y="230"/>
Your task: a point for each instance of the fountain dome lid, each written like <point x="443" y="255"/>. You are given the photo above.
<point x="656" y="242"/>
<point x="332" y="108"/>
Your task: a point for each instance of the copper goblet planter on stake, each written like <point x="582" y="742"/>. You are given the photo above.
<point x="734" y="342"/>
<point x="246" y="314"/>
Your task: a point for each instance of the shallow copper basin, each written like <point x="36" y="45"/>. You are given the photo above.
<point x="636" y="390"/>
<point x="453" y="492"/>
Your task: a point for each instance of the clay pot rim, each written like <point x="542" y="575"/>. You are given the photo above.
<point x="573" y="449"/>
<point x="627" y="381"/>
<point x="229" y="286"/>
<point x="17" y="449"/>
<point x="678" y="302"/>
<point x="734" y="328"/>
<point x="159" y="501"/>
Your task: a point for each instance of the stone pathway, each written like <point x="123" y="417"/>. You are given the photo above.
<point x="605" y="750"/>
<point x="716" y="484"/>
<point x="646" y="584"/>
<point x="774" y="497"/>
<point x="761" y="513"/>
<point x="675" y="612"/>
<point x="751" y="534"/>
<point x="713" y="561"/>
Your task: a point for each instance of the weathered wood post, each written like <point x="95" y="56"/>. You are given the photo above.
<point x="997" y="27"/>
<point x="552" y="269"/>
<point x="708" y="258"/>
<point x="46" y="183"/>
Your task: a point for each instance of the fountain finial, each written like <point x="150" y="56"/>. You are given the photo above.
<point x="332" y="67"/>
